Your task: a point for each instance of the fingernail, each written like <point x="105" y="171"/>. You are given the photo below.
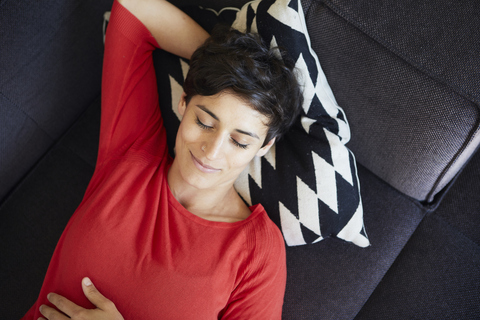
<point x="49" y="296"/>
<point x="87" y="282"/>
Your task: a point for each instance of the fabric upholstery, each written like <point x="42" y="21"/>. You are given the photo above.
<point x="461" y="205"/>
<point x="395" y="132"/>
<point x="332" y="279"/>
<point x="441" y="262"/>
<point x="437" y="276"/>
<point x="50" y="67"/>
<point x="35" y="215"/>
<point x="435" y="39"/>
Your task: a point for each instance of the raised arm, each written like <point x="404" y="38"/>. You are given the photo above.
<point x="174" y="31"/>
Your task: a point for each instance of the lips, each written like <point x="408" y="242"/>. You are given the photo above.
<point x="203" y="167"/>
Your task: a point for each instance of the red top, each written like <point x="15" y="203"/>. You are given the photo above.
<point x="139" y="245"/>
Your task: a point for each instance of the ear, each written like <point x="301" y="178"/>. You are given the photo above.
<point x="182" y="104"/>
<point x="263" y="151"/>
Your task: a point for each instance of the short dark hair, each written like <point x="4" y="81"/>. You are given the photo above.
<point x="241" y="63"/>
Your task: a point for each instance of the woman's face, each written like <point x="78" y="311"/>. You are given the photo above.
<point x="218" y="136"/>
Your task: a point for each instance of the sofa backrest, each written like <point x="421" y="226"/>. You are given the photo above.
<point x="51" y="56"/>
<point x="407" y="75"/>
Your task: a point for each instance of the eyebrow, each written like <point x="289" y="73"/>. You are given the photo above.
<point x="214" y="116"/>
<point x="208" y="111"/>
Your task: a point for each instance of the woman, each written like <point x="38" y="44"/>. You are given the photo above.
<point x="171" y="239"/>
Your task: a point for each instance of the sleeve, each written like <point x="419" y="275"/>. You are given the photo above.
<point x="261" y="292"/>
<point x="130" y="116"/>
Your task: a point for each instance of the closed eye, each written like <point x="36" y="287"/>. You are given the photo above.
<point x="238" y="144"/>
<point x="202" y="125"/>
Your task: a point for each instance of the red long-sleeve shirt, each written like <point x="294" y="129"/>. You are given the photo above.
<point x="139" y="245"/>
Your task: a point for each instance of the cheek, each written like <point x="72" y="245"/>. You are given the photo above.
<point x="187" y="134"/>
<point x="240" y="159"/>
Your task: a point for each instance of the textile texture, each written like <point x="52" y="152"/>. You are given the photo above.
<point x="49" y="74"/>
<point x="411" y="124"/>
<point x="440" y="263"/>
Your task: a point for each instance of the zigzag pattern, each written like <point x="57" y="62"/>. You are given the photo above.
<point x="324" y="175"/>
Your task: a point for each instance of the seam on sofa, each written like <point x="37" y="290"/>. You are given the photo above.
<point x="465" y="144"/>
<point x="426" y="207"/>
<point x="79" y="156"/>
<point x="429" y="214"/>
<point x="352" y="19"/>
<point x="96" y="100"/>
<point x="44" y="155"/>
<point x="24" y="177"/>
<point x="13" y="103"/>
<point x="25" y="174"/>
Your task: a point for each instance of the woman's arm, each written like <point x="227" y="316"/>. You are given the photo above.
<point x="173" y="30"/>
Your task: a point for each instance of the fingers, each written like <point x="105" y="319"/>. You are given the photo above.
<point x="95" y="297"/>
<point x="61" y="303"/>
<point x="105" y="308"/>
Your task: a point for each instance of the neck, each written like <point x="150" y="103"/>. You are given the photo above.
<point x="221" y="203"/>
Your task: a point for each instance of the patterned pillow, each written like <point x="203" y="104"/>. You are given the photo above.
<point x="308" y="181"/>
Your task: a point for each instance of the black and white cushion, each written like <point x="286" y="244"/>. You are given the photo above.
<point x="308" y="183"/>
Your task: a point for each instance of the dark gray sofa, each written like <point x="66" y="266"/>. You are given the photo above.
<point x="407" y="75"/>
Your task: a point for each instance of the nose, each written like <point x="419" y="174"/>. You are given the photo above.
<point x="214" y="146"/>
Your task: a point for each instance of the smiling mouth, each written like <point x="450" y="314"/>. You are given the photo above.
<point x="202" y="167"/>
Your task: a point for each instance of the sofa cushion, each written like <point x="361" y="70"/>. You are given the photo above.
<point x="437" y="275"/>
<point x="35" y="214"/>
<point x="332" y="279"/>
<point x="50" y="70"/>
<point x="407" y="77"/>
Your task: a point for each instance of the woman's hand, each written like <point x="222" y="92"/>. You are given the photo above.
<point x="105" y="310"/>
